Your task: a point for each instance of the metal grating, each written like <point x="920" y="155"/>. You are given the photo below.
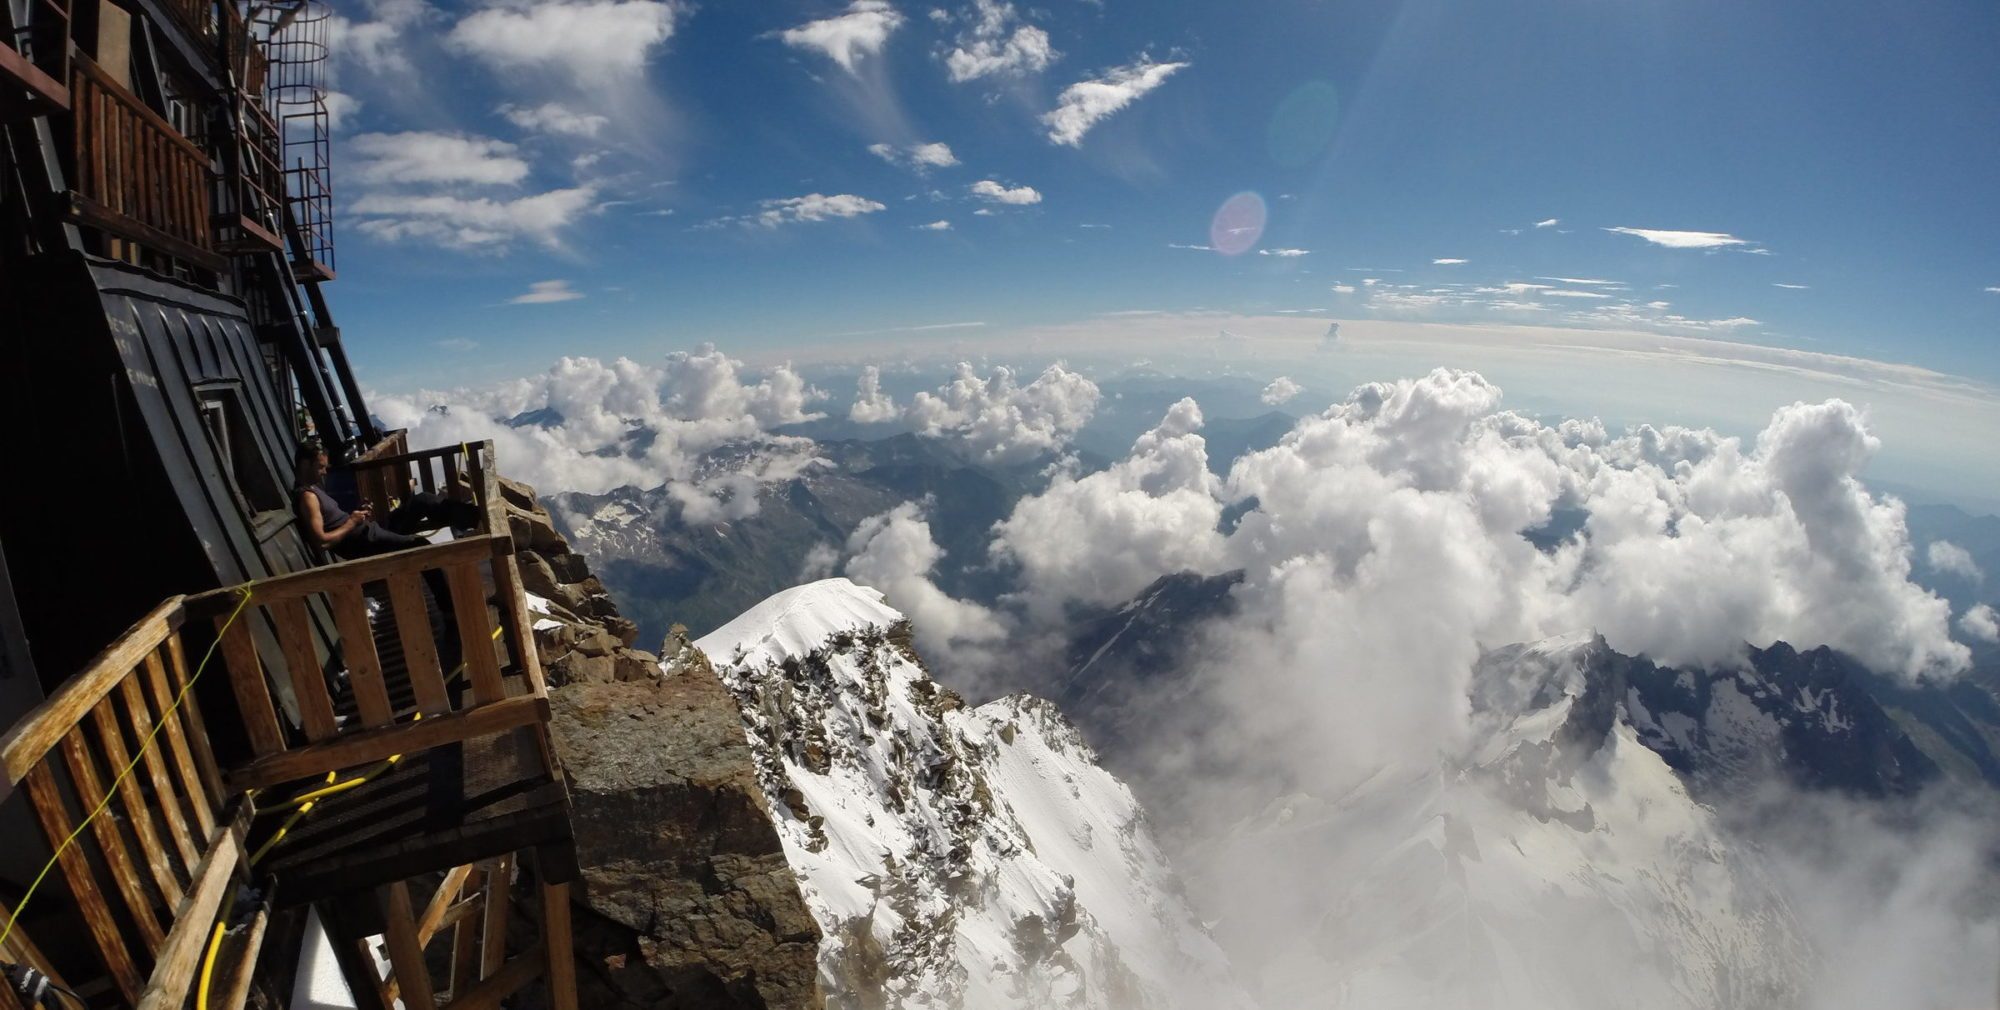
<point x="295" y="38"/>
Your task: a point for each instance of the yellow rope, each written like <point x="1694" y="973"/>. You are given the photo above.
<point x="144" y="745"/>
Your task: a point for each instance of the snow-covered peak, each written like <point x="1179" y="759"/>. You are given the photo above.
<point x="977" y="859"/>
<point x="794" y="623"/>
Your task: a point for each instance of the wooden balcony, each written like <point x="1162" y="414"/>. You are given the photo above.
<point x="34" y="60"/>
<point x="394" y="717"/>
<point x="135" y="176"/>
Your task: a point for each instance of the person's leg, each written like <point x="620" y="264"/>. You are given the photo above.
<point x="372" y="539"/>
<point x="429" y="510"/>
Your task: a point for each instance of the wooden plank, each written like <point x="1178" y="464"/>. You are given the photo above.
<point x="110" y="842"/>
<point x="239" y="953"/>
<point x="518" y="622"/>
<point x="133" y="799"/>
<point x="194" y="919"/>
<point x="413" y="629"/>
<point x="177" y="746"/>
<point x="253" y="696"/>
<point x="351" y="573"/>
<point x="183" y="840"/>
<point x="446" y="895"/>
<point x="48" y="804"/>
<point x="204" y="757"/>
<point x="357" y="647"/>
<point x="465" y="938"/>
<point x="351" y="750"/>
<point x="475" y="632"/>
<point x="493" y="937"/>
<point x="302" y="663"/>
<point x="426" y="477"/>
<point x="487" y="993"/>
<point x="556" y="935"/>
<point x="406" y="955"/>
<point x="30" y="739"/>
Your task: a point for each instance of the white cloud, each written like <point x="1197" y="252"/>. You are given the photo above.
<point x="691" y="403"/>
<point x="1548" y="222"/>
<point x="1000" y="420"/>
<point x="1683" y="239"/>
<point x="862" y="30"/>
<point x="996" y="41"/>
<point x="341" y="108"/>
<point x="1793" y="287"/>
<point x="555" y="118"/>
<point x="808" y="208"/>
<point x="1586" y="281"/>
<point x="1945" y="556"/>
<point x="993" y="192"/>
<point x="1083" y="104"/>
<point x="429" y="158"/>
<point x="933" y="226"/>
<point x="1195" y="248"/>
<point x="1993" y="290"/>
<point x="871" y="404"/>
<point x="482" y="224"/>
<point x="1564" y="293"/>
<point x="1288" y="253"/>
<point x="894" y="552"/>
<point x="591" y="43"/>
<point x="375" y="46"/>
<point x="918" y="157"/>
<point x="544" y="292"/>
<point x="1981" y="623"/>
<point x="1447" y="262"/>
<point x="1282" y="389"/>
<point x="1343" y="289"/>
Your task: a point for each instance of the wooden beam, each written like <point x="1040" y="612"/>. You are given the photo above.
<point x="465" y="938"/>
<point x="475" y="632"/>
<point x="351" y="750"/>
<point x="194" y="919"/>
<point x="110" y="842"/>
<point x="112" y="738"/>
<point x="406" y="955"/>
<point x="302" y="664"/>
<point x="493" y="939"/>
<point x="48" y="804"/>
<point x="420" y="656"/>
<point x="48" y="92"/>
<point x="239" y="952"/>
<point x="204" y="757"/>
<point x="35" y="734"/>
<point x="183" y="839"/>
<point x="487" y="993"/>
<point x="447" y="894"/>
<point x="180" y="755"/>
<point x="556" y="938"/>
<point x="352" y="573"/>
<point x="253" y="695"/>
<point x="357" y="647"/>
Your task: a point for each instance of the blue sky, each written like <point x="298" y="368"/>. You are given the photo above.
<point x="631" y="159"/>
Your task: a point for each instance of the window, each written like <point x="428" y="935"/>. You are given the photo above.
<point x="256" y="486"/>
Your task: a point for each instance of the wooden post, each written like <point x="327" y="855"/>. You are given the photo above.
<point x="493" y="944"/>
<point x="406" y="955"/>
<point x="556" y="935"/>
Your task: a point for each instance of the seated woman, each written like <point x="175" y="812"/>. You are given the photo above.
<point x="356" y="534"/>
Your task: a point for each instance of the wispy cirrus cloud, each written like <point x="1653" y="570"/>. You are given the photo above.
<point x="1086" y="103"/>
<point x="1447" y="261"/>
<point x="919" y="158"/>
<point x="1287" y="253"/>
<point x="1683" y="239"/>
<point x="546" y="292"/>
<point x="1792" y="287"/>
<point x="554" y="118"/>
<point x="845" y="38"/>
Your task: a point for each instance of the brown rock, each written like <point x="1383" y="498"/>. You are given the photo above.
<point x="577" y="668"/>
<point x="625" y="628"/>
<point x="569" y="568"/>
<point x="688" y="899"/>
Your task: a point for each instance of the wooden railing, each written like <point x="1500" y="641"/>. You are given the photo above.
<point x="35" y="58"/>
<point x="136" y="176"/>
<point x="170" y="847"/>
<point x="385" y="480"/>
<point x="429" y="709"/>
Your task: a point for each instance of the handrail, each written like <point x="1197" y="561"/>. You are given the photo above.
<point x="135" y="175"/>
<point x="30" y="740"/>
<point x="353" y="573"/>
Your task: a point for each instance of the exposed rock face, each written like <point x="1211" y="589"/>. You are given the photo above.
<point x="688" y="900"/>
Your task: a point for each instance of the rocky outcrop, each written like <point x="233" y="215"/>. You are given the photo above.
<point x="688" y="900"/>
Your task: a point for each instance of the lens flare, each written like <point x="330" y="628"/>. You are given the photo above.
<point x="1303" y="124"/>
<point x="1238" y="224"/>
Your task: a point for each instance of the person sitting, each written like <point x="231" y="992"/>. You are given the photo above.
<point x="350" y="535"/>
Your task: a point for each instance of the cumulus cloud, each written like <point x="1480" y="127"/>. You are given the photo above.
<point x="592" y="43"/>
<point x="993" y="192"/>
<point x="1001" y="421"/>
<point x="1086" y="103"/>
<point x="996" y="40"/>
<point x="544" y="292"/>
<point x="1102" y="537"/>
<point x="555" y="118"/>
<point x="860" y="31"/>
<point x="917" y="157"/>
<point x="420" y="157"/>
<point x="895" y="553"/>
<point x="477" y="224"/>
<point x="589" y="425"/>
<point x="1683" y="239"/>
<point x="1281" y="390"/>
<point x="871" y="404"/>
<point x="1945" y="556"/>
<point x="1981" y="623"/>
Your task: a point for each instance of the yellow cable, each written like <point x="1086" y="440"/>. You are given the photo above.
<point x="119" y="779"/>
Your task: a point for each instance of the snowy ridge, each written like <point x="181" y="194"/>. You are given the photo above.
<point x="954" y="858"/>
